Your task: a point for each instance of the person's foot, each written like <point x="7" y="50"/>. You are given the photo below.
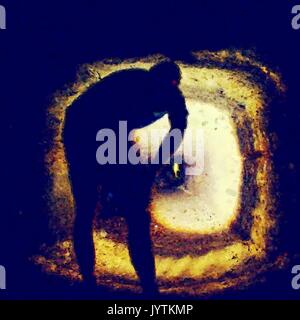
<point x="89" y="283"/>
<point x="151" y="293"/>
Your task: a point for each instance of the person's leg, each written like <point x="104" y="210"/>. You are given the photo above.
<point x="140" y="249"/>
<point x="85" y="196"/>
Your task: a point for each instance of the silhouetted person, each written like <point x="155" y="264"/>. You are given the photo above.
<point x="140" y="97"/>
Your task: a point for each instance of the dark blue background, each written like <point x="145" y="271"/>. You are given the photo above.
<point x="40" y="51"/>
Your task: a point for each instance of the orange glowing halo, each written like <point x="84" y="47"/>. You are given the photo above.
<point x="191" y="258"/>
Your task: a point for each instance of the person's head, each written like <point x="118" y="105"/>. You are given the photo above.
<point x="166" y="72"/>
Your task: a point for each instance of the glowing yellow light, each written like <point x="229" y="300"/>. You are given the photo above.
<point x="176" y="169"/>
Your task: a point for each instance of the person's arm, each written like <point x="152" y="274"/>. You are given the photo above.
<point x="178" y="116"/>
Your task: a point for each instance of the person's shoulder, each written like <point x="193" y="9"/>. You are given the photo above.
<point x="120" y="81"/>
<point x="130" y="74"/>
